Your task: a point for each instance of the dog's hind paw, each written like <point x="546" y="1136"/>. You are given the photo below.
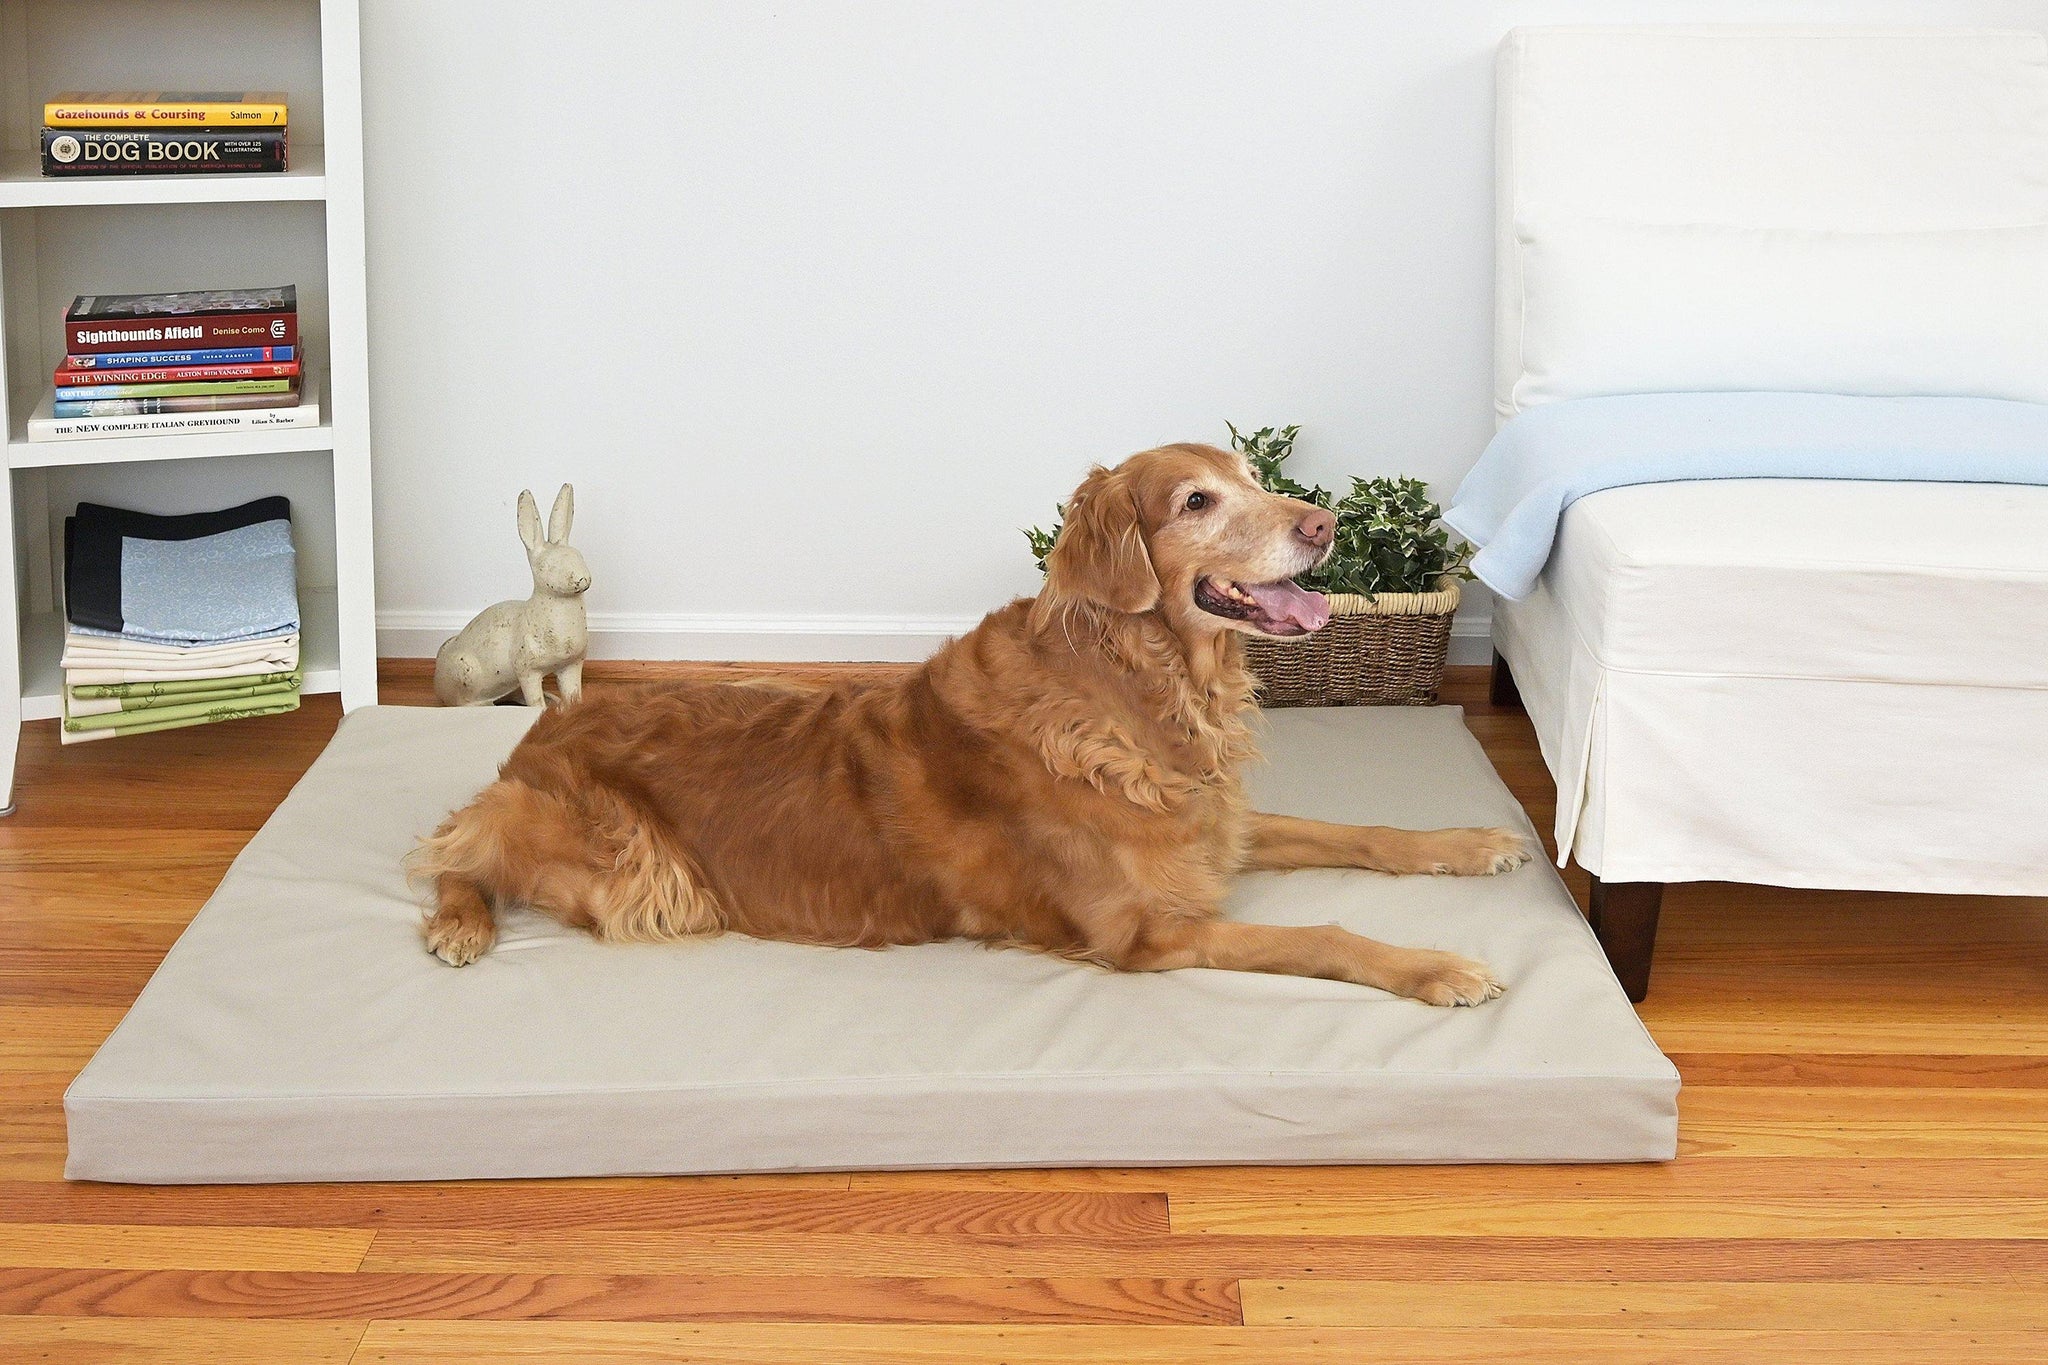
<point x="456" y="942"/>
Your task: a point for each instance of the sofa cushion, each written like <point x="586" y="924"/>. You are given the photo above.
<point x="1825" y="578"/>
<point x="1814" y="134"/>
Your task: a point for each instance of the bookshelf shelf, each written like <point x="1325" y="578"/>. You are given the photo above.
<point x="141" y="234"/>
<point x="23" y="185"/>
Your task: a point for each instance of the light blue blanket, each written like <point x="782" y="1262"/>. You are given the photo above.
<point x="1549" y="457"/>
<point x="232" y="587"/>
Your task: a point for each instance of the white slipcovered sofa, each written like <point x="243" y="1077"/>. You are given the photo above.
<point x="1817" y="683"/>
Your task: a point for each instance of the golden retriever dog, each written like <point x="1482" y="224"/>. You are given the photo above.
<point x="1064" y="777"/>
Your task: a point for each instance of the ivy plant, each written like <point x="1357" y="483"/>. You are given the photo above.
<point x="1390" y="537"/>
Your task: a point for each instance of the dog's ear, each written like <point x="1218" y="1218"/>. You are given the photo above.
<point x="1101" y="556"/>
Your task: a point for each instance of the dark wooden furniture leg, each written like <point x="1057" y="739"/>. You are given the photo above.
<point x="1624" y="918"/>
<point x="1501" y="690"/>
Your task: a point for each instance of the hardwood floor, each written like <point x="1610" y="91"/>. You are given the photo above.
<point x="1864" y="1172"/>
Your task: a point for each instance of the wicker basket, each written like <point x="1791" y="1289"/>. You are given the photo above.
<point x="1384" y="652"/>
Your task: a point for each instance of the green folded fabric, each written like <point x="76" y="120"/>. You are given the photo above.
<point x="172" y="687"/>
<point x="111" y="705"/>
<point x="151" y="726"/>
<point x="190" y="713"/>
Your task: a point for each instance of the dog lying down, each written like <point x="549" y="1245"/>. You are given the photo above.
<point x="1064" y="777"/>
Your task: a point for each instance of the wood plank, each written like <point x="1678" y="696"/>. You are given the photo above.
<point x="1516" y="1304"/>
<point x="486" y="1343"/>
<point x="36" y="976"/>
<point x="1422" y="1260"/>
<point x="32" y="1160"/>
<point x="248" y="1295"/>
<point x="1735" y="1021"/>
<point x="1853" y="1123"/>
<point x="538" y="1205"/>
<point x="103" y="1341"/>
<point x="1807" y="1070"/>
<point x="1777" y="1214"/>
<point x="1724" y="1178"/>
<point x="53" y="1037"/>
<point x="115" y="1246"/>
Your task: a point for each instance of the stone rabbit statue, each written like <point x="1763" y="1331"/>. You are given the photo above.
<point x="513" y="644"/>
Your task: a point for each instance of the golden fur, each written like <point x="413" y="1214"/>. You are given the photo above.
<point x="1064" y="777"/>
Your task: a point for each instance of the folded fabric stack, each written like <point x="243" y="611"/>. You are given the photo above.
<point x="178" y="621"/>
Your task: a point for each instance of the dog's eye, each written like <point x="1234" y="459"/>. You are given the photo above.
<point x="1197" y="501"/>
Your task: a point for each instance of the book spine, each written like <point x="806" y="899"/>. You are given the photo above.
<point x="66" y="377"/>
<point x="142" y="407"/>
<point x="230" y="355"/>
<point x="161" y="114"/>
<point x="168" y="424"/>
<point x="208" y="331"/>
<point x="219" y="388"/>
<point x="124" y="151"/>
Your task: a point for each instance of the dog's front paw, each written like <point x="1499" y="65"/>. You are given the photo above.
<point x="1447" y="979"/>
<point x="1480" y="852"/>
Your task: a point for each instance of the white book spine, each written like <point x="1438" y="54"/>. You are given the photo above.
<point x="170" y="423"/>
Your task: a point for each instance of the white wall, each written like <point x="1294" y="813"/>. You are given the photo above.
<point x="817" y="303"/>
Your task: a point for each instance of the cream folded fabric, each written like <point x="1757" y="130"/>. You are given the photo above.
<point x="105" y="651"/>
<point x="99" y="676"/>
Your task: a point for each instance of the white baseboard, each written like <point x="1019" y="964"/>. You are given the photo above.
<point x="790" y="639"/>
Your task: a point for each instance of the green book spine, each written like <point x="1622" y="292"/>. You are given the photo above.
<point x="197" y="388"/>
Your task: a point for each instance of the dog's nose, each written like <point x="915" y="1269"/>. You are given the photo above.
<point x="1317" y="528"/>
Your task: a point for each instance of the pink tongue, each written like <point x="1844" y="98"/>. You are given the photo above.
<point x="1283" y="601"/>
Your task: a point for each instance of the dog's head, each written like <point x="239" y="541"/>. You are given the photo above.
<point x="1186" y="530"/>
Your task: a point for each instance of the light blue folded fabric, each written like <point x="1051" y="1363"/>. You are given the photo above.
<point x="237" y="585"/>
<point x="1549" y="457"/>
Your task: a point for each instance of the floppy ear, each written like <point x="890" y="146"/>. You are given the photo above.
<point x="529" y="521"/>
<point x="1100" y="556"/>
<point x="559" y="518"/>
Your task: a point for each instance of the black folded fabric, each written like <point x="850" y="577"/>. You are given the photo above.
<point x="92" y="549"/>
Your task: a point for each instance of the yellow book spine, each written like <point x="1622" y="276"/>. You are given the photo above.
<point x="103" y="113"/>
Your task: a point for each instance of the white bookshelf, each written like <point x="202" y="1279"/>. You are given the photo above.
<point x="60" y="238"/>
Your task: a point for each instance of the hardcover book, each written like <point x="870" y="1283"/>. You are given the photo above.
<point x="142" y="407"/>
<point x="198" y="318"/>
<point x="219" y="388"/>
<point x="131" y="151"/>
<point x="45" y="425"/>
<point x="166" y="108"/>
<point x="224" y="355"/>
<point x="116" y="375"/>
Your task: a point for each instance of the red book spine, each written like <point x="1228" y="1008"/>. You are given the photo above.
<point x="66" y="377"/>
<point x="197" y="331"/>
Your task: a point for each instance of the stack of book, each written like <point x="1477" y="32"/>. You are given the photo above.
<point x="176" y="621"/>
<point x="164" y="132"/>
<point x="201" y="360"/>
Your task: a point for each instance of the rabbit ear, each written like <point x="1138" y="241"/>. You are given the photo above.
<point x="529" y="521"/>
<point x="558" y="520"/>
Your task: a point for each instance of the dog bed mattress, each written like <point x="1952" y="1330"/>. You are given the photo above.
<point x="300" y="1031"/>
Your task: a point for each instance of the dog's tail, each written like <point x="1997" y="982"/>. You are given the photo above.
<point x="465" y="862"/>
<point x="593" y="863"/>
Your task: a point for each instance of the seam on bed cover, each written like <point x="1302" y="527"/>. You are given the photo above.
<point x="879" y="1082"/>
